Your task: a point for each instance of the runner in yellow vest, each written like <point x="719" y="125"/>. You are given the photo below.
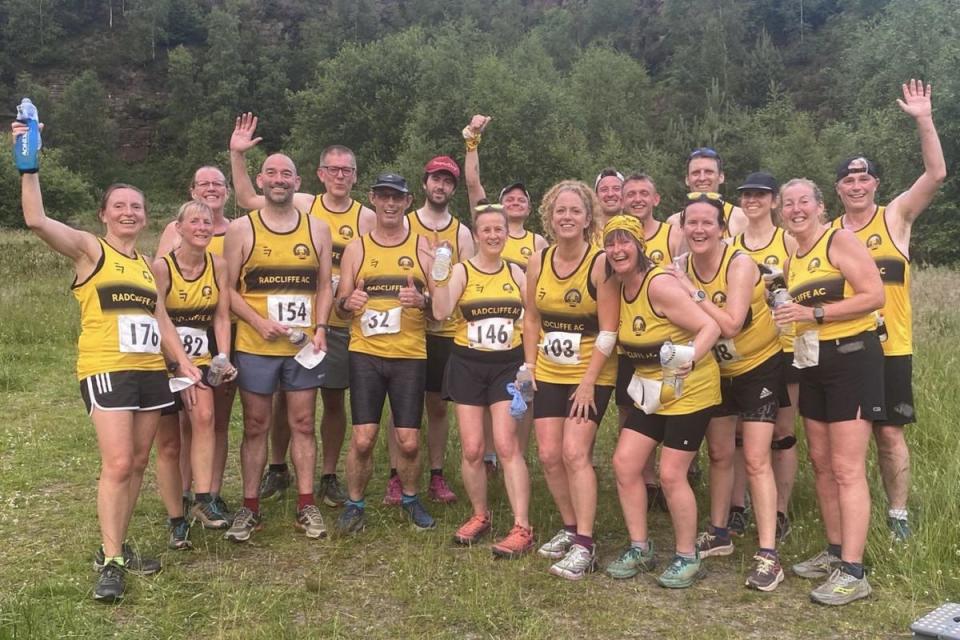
<point x="705" y="174"/>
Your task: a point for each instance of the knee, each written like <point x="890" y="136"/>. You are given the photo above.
<point x="849" y="472"/>
<point x="472" y="451"/>
<point x="201" y="418"/>
<point x="363" y="443"/>
<point x="506" y="446"/>
<point x="117" y="468"/>
<point x="168" y="445"/>
<point x="550" y="457"/>
<point x="575" y="457"/>
<point x="624" y="466"/>
<point x="409" y="445"/>
<point x="721" y="456"/>
<point x="889" y="439"/>
<point x="256" y="424"/>
<point x="757" y="464"/>
<point x="672" y="477"/>
<point x="302" y="424"/>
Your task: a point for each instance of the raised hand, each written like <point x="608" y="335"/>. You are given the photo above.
<point x="357" y="299"/>
<point x="242" y="139"/>
<point x="409" y="296"/>
<point x="917" y="99"/>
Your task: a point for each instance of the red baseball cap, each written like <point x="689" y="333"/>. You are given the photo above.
<point x="443" y="163"/>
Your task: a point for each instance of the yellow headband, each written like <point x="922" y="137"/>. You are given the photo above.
<point x="627" y="223"/>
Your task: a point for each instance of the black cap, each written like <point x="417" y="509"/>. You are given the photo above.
<point x="759" y="181"/>
<point x="856" y="164"/>
<point x="391" y="181"/>
<point x="512" y="186"/>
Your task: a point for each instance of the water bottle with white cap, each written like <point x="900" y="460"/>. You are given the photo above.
<point x="27" y="145"/>
<point x="218" y="369"/>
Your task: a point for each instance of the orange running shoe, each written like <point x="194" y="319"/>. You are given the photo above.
<point x="473" y="529"/>
<point x="518" y="542"/>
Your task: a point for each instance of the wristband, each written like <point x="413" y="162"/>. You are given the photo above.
<point x="342" y="303"/>
<point x="323" y="326"/>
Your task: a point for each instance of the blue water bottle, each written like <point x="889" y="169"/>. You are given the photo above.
<point x="26" y="147"/>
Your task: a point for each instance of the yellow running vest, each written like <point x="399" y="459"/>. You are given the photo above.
<point x="641" y="334"/>
<point x="774" y="254"/>
<point x="384" y="328"/>
<point x="895" y="272"/>
<point x="658" y="245"/>
<point x="814" y="281"/>
<point x="519" y="250"/>
<point x="450" y="233"/>
<point x="758" y="339"/>
<point x="117" y="329"/>
<point x="344" y="227"/>
<point x="279" y="281"/>
<point x="568" y="322"/>
<point x="216" y="244"/>
<point x="191" y="305"/>
<point x="490" y="310"/>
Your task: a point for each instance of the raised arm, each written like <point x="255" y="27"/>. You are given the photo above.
<point x="446" y="295"/>
<point x="917" y="103"/>
<point x="669" y="299"/>
<point x="742" y="277"/>
<point x="471" y="162"/>
<point x="242" y="141"/>
<point x="465" y="241"/>
<point x="169" y="239"/>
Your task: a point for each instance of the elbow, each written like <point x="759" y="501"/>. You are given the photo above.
<point x="939" y="175"/>
<point x="879" y="299"/>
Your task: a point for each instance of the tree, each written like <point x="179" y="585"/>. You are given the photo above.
<point x="84" y="130"/>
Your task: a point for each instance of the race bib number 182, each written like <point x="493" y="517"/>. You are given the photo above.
<point x="195" y="341"/>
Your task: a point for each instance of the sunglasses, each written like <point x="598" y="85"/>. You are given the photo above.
<point x="703" y="152"/>
<point x="488" y="208"/>
<point x="705" y="196"/>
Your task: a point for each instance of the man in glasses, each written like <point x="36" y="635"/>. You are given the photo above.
<point x="886" y="232"/>
<point x="347" y="219"/>
<point x="608" y="186"/>
<point x="705" y="175"/>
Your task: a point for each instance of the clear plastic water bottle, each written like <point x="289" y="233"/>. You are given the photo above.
<point x="882" y="334"/>
<point x="781" y="297"/>
<point x="27" y="145"/>
<point x="297" y="337"/>
<point x="218" y="369"/>
<point x="525" y="383"/>
<point x="441" y="262"/>
<point x="672" y="385"/>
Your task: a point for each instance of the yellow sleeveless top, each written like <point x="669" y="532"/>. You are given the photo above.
<point x="344" y="227"/>
<point x="519" y="250"/>
<point x="727" y="212"/>
<point x="568" y="322"/>
<point x="117" y="329"/>
<point x="384" y="328"/>
<point x="191" y="305"/>
<point x="895" y="272"/>
<point x="451" y="233"/>
<point x="490" y="310"/>
<point x="758" y="339"/>
<point x="773" y="254"/>
<point x="814" y="281"/>
<point x="643" y="331"/>
<point x="658" y="245"/>
<point x="279" y="281"/>
<point x="216" y="244"/>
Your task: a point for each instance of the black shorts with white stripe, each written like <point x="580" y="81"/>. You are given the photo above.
<point x="126" y="391"/>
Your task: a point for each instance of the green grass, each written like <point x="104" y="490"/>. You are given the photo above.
<point x="391" y="581"/>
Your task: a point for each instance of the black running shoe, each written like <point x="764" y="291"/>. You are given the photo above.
<point x="110" y="584"/>
<point x="132" y="562"/>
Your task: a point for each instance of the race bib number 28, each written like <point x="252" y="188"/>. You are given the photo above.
<point x="292" y="311"/>
<point x="562" y="347"/>
<point x="138" y="334"/>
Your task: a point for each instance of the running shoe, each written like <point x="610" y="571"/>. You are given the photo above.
<point x="351" y="520"/>
<point x="186" y="501"/>
<point x="310" y="521"/>
<point x="518" y="542"/>
<point x="819" y="566"/>
<point x="439" y="490"/>
<point x="133" y="562"/>
<point x="631" y="562"/>
<point x="558" y="545"/>
<point x="331" y="491"/>
<point x="578" y="562"/>
<point x="656" y="498"/>
<point x="767" y="573"/>
<point x="180" y="537"/>
<point x="737" y="522"/>
<point x="899" y="529"/>
<point x="209" y="515"/>
<point x="110" y="584"/>
<point x="224" y="509"/>
<point x="274" y="484"/>
<point x="245" y="522"/>
<point x="418" y="515"/>
<point x="394" y="494"/>
<point x="710" y="544"/>
<point x="783" y="526"/>
<point x="472" y="530"/>
<point x="681" y="573"/>
<point x="841" y="588"/>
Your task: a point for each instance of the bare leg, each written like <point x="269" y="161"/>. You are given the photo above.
<point x="360" y="459"/>
<point x="821" y="457"/>
<point x="849" y="441"/>
<point x="280" y="431"/>
<point x="516" y="477"/>
<point x="721" y="445"/>
<point x="629" y="461"/>
<point x="301" y="413"/>
<point x="578" y="440"/>
<point x="680" y="498"/>
<point x="438" y="427"/>
<point x="200" y="417"/>
<point x="893" y="457"/>
<point x="186" y="447"/>
<point x="253" y="448"/>
<point x="763" y="487"/>
<point x="168" y="464"/>
<point x="333" y="428"/>
<point x="223" y="406"/>
<point x="550" y="447"/>
<point x="785" y="461"/>
<point x="472" y="446"/>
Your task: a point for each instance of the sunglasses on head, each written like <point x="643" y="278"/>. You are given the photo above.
<point x="705" y="196"/>
<point x="488" y="208"/>
<point x="703" y="152"/>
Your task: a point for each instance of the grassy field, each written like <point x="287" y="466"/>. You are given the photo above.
<point x="392" y="581"/>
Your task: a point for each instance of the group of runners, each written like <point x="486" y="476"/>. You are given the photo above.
<point x="721" y="324"/>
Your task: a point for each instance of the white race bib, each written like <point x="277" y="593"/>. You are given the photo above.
<point x="645" y="393"/>
<point x="725" y="351"/>
<point x="490" y="334"/>
<point x="195" y="341"/>
<point x="291" y="311"/>
<point x="335" y="282"/>
<point x="562" y="347"/>
<point x="375" y="323"/>
<point x="138" y="334"/>
<point x="806" y="349"/>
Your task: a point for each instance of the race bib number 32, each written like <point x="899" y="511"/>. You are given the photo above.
<point x="292" y="311"/>
<point x="195" y="341"/>
<point x="561" y="347"/>
<point x="490" y="334"/>
<point x="138" y="334"/>
<point x="375" y="323"/>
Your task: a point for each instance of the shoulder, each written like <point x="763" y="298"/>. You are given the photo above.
<point x="539" y="242"/>
<point x="304" y="201"/>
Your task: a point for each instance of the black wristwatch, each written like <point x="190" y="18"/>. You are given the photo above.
<point x="818" y="314"/>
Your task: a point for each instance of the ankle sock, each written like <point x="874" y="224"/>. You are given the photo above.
<point x="833" y="549"/>
<point x="436" y="472"/>
<point x="177" y="521"/>
<point x="359" y="504"/>
<point x="252" y="503"/>
<point x="583" y="541"/>
<point x="328" y="476"/>
<point x="854" y="569"/>
<point x="737" y="509"/>
<point x="769" y="552"/>
<point x="405" y="499"/>
<point x="280" y="468"/>
<point x="721" y="532"/>
<point x="897" y="514"/>
<point x="687" y="556"/>
<point x="571" y="528"/>
<point x="393" y="472"/>
<point x="304" y="500"/>
<point x="204" y="498"/>
<point x="643" y="545"/>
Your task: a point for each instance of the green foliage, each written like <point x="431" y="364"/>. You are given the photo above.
<point x="65" y="193"/>
<point x="83" y="128"/>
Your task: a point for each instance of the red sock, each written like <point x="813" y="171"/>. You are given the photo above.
<point x="252" y="503"/>
<point x="304" y="500"/>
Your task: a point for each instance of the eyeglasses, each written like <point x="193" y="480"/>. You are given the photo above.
<point x="705" y="196"/>
<point x="346" y="172"/>
<point x="207" y="184"/>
